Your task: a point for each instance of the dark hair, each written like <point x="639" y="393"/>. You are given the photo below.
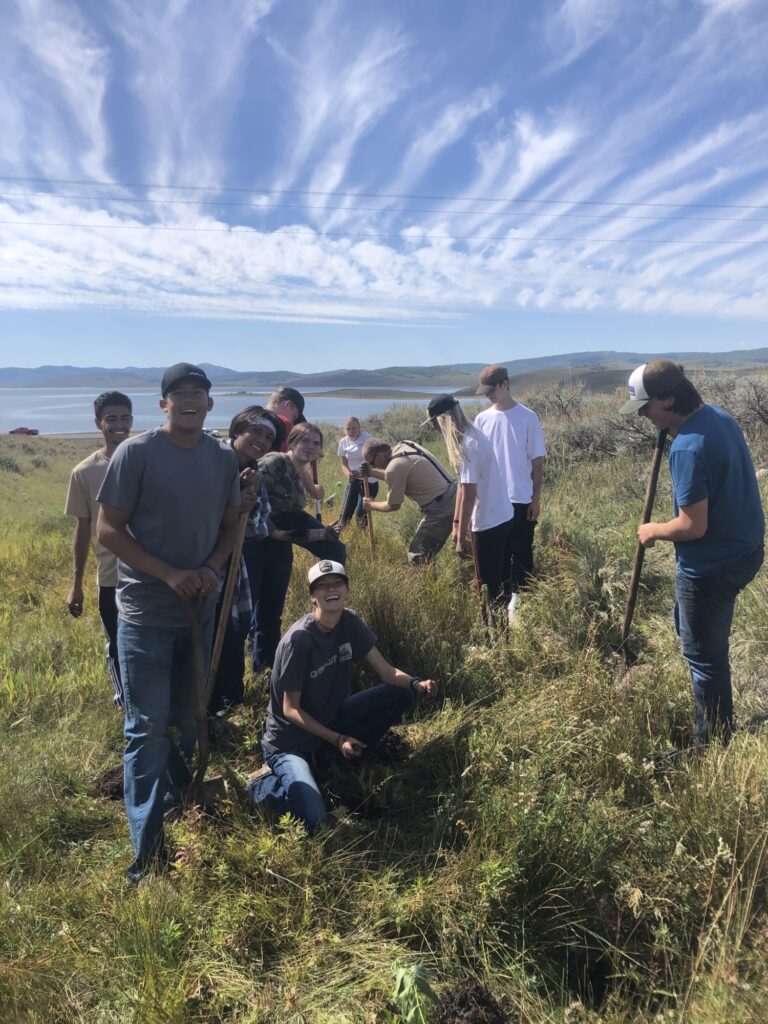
<point x="287" y="395"/>
<point x="664" y="379"/>
<point x="243" y="419"/>
<point x="110" y="398"/>
<point x="302" y="430"/>
<point x="374" y="447"/>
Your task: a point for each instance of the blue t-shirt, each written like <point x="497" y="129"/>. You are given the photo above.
<point x="709" y="459"/>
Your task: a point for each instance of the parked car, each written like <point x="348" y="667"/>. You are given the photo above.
<point x="31" y="431"/>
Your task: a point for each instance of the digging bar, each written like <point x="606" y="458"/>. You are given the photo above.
<point x="369" y="515"/>
<point x="637" y="568"/>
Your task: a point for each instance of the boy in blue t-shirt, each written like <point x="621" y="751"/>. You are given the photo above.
<point x="718" y="528"/>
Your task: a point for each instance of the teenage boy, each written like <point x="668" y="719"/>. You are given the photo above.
<point x="518" y="442"/>
<point x="410" y="471"/>
<point x="169" y="511"/>
<point x="718" y="529"/>
<point x="310" y="702"/>
<point x="113" y="414"/>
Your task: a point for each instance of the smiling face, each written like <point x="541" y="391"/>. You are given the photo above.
<point x="252" y="443"/>
<point x="115" y="424"/>
<point x="329" y="594"/>
<point x="186" y="405"/>
<point x="352" y="429"/>
<point x="308" y="447"/>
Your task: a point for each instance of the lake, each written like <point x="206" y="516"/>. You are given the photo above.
<point x="70" y="410"/>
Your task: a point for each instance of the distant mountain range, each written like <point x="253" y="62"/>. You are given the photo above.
<point x="609" y="366"/>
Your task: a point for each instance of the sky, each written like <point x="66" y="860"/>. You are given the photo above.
<point x="268" y="184"/>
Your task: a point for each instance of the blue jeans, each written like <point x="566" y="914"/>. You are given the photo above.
<point x="269" y="564"/>
<point x="158" y="682"/>
<point x="291" y="787"/>
<point x="352" y="505"/>
<point x="703" y="617"/>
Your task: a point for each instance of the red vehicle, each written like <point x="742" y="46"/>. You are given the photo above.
<point x="31" y="431"/>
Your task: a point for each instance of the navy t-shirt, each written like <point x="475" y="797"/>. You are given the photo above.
<point x="318" y="665"/>
<point x="709" y="459"/>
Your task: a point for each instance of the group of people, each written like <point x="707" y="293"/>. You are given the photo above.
<point x="165" y="506"/>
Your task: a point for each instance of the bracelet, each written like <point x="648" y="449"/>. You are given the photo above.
<point x="415" y="680"/>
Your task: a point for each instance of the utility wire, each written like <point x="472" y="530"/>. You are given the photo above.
<point x="362" y="209"/>
<point x="383" y="195"/>
<point x="375" y="237"/>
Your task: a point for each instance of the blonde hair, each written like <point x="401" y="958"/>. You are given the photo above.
<point x="455" y="428"/>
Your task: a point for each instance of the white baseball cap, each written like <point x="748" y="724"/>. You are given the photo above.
<point x="326" y="568"/>
<point x="657" y="379"/>
<point x="638" y="396"/>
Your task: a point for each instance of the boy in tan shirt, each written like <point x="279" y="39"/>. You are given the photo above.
<point x="114" y="418"/>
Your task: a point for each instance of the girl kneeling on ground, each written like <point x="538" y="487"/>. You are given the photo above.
<point x="310" y="702"/>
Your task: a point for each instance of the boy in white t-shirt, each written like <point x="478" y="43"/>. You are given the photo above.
<point x="351" y="454"/>
<point x="518" y="442"/>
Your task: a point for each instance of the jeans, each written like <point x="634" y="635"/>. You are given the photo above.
<point x="352" y="505"/>
<point x="108" y="616"/>
<point x="521" y="548"/>
<point x="156" y="664"/>
<point x="269" y="564"/>
<point x="291" y="787"/>
<point x="335" y="550"/>
<point x="703" y="616"/>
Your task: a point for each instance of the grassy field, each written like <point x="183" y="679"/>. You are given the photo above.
<point x="523" y="839"/>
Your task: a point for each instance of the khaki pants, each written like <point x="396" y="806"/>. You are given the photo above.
<point x="435" y="528"/>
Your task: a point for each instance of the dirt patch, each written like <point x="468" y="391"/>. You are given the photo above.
<point x="108" y="785"/>
<point x="470" y="1003"/>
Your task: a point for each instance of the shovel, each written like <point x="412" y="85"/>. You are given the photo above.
<point x="369" y="515"/>
<point x="318" y="505"/>
<point x="634" y="584"/>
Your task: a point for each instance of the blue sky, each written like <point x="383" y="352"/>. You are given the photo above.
<point x="355" y="183"/>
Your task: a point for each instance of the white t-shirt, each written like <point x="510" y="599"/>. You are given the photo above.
<point x="517" y="439"/>
<point x="353" y="450"/>
<point x="479" y="466"/>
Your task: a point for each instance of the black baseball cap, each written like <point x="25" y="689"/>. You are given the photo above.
<point x="439" y="405"/>
<point x="183" y="371"/>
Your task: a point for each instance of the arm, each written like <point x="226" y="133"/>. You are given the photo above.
<point x="466" y="495"/>
<point x="379" y="506"/>
<point x="689" y="524"/>
<point x="81" y="542"/>
<point x="313" y="490"/>
<point x="537" y="474"/>
<point x="348" y="473"/>
<point x="112" y="533"/>
<point x="226" y="539"/>
<point x="296" y="715"/>
<point x="387" y="673"/>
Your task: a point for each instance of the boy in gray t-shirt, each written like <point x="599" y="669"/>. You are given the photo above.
<point x="310" y="700"/>
<point x="169" y="511"/>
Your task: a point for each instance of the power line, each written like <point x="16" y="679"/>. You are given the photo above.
<point x="384" y="195"/>
<point x="375" y="237"/>
<point x="359" y="209"/>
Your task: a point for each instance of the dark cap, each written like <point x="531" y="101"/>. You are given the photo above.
<point x="491" y="377"/>
<point x="656" y="379"/>
<point x="183" y="371"/>
<point x="439" y="405"/>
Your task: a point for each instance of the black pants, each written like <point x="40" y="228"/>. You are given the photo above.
<point x="494" y="560"/>
<point x="521" y="548"/>
<point x="108" y="616"/>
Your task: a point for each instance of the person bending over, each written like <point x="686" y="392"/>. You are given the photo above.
<point x="410" y="471"/>
<point x="310" y="702"/>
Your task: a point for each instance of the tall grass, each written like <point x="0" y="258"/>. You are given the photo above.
<point x="526" y="838"/>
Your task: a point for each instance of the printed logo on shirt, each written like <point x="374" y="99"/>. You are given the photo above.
<point x="345" y="652"/>
<point x="315" y="672"/>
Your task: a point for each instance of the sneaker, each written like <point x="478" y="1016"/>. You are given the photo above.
<point x="512" y="608"/>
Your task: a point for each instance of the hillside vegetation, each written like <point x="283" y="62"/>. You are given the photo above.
<point x="519" y="834"/>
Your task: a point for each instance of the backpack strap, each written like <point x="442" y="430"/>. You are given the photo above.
<point x="416" y="449"/>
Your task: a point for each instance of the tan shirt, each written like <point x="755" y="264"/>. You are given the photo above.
<point x="413" y="476"/>
<point x="84" y="483"/>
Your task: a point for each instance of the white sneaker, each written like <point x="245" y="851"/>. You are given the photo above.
<point x="512" y="608"/>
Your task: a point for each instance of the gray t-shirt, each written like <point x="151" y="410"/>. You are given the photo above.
<point x="176" y="498"/>
<point x="317" y="665"/>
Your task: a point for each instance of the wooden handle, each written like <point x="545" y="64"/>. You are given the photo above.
<point x="650" y="495"/>
<point x="226" y="601"/>
<point x="369" y="515"/>
<point x="318" y="506"/>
